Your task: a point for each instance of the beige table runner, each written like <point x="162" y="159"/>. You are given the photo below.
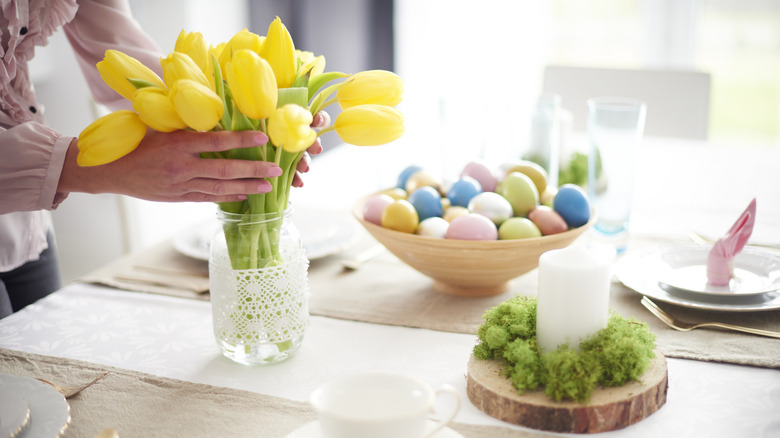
<point x="386" y="291"/>
<point x="143" y="405"/>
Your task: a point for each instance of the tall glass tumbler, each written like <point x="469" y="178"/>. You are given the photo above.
<point x="615" y="129"/>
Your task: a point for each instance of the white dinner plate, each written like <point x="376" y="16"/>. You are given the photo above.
<point x="14" y="414"/>
<point x="323" y="233"/>
<point x="49" y="412"/>
<point x="648" y="272"/>
<point x="312" y="430"/>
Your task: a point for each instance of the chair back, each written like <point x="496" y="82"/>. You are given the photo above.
<point x="678" y="101"/>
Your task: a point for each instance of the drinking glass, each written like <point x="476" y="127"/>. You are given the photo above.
<point x="615" y="129"/>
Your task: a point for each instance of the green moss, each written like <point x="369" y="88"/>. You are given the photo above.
<point x="619" y="353"/>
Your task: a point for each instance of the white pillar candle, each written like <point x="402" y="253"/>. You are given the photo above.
<point x="572" y="296"/>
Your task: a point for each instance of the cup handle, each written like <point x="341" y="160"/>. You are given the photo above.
<point x="448" y="389"/>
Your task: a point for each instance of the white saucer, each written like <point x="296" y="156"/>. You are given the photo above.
<point x="49" y="412"/>
<point x="312" y="430"/>
<point x="14" y="414"/>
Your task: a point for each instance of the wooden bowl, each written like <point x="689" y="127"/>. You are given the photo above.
<point x="466" y="267"/>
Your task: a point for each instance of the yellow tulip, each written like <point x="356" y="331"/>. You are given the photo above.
<point x="241" y="40"/>
<point x="177" y="66"/>
<point x="252" y="84"/>
<point x="197" y="104"/>
<point x="379" y="87"/>
<point x="369" y="125"/>
<point x="116" y="68"/>
<point x="156" y="110"/>
<point x="109" y="138"/>
<point x="278" y="49"/>
<point x="289" y="127"/>
<point x="194" y="45"/>
<point x="313" y="65"/>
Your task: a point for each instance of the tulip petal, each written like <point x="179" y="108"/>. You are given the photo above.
<point x="369" y="125"/>
<point x="110" y="138"/>
<point x="197" y="105"/>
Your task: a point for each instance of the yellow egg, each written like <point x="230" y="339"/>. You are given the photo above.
<point x="546" y="197"/>
<point x="400" y="216"/>
<point x="422" y="178"/>
<point x="532" y="170"/>
<point x="395" y="193"/>
<point x="454" y="211"/>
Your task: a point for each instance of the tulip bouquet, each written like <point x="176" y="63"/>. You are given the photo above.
<point x="250" y="82"/>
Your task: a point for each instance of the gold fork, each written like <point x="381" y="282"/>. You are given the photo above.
<point x="70" y="392"/>
<point x="685" y="326"/>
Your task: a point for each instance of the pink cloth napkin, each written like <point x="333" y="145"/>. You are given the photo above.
<point x="720" y="261"/>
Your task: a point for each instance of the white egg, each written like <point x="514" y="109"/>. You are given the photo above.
<point x="433" y="227"/>
<point x="491" y="205"/>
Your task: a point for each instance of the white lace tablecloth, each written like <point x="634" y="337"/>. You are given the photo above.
<point x="171" y="337"/>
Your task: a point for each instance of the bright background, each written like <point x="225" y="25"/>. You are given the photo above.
<point x="472" y="72"/>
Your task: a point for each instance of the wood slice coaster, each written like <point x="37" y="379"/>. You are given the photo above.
<point x="607" y="409"/>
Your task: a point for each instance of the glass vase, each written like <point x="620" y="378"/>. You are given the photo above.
<point x="259" y="287"/>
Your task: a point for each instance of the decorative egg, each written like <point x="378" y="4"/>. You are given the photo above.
<point x="400" y="216"/>
<point x="445" y="203"/>
<point x="520" y="191"/>
<point x="421" y="178"/>
<point x="472" y="227"/>
<point x="374" y="206"/>
<point x="482" y="173"/>
<point x="395" y="193"/>
<point x="518" y="228"/>
<point x="546" y="197"/>
<point x="463" y="190"/>
<point x="433" y="227"/>
<point x="491" y="205"/>
<point x="548" y="221"/>
<point x="532" y="170"/>
<point x="405" y="174"/>
<point x="572" y="204"/>
<point x="453" y="212"/>
<point x="427" y="201"/>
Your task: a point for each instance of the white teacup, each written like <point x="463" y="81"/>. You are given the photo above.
<point x="378" y="405"/>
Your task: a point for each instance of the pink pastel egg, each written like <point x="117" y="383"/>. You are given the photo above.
<point x="548" y="220"/>
<point x="472" y="226"/>
<point x="480" y="172"/>
<point x="374" y="206"/>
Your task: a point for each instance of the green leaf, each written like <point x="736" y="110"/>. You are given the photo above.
<point x="319" y="101"/>
<point x="140" y="83"/>
<point x="318" y="81"/>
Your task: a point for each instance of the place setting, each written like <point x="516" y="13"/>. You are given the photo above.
<point x="726" y="276"/>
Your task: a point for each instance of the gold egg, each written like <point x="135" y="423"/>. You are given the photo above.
<point x="395" y="193"/>
<point x="422" y="178"/>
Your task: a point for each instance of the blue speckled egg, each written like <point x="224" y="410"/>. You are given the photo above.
<point x="427" y="201"/>
<point x="572" y="204"/>
<point x="463" y="190"/>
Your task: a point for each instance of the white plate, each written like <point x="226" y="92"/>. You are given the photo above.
<point x="755" y="271"/>
<point x="14" y="414"/>
<point x="49" y="412"/>
<point x="312" y="430"/>
<point x="644" y="271"/>
<point x="323" y="233"/>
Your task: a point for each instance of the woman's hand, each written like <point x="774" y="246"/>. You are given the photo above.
<point x="168" y="167"/>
